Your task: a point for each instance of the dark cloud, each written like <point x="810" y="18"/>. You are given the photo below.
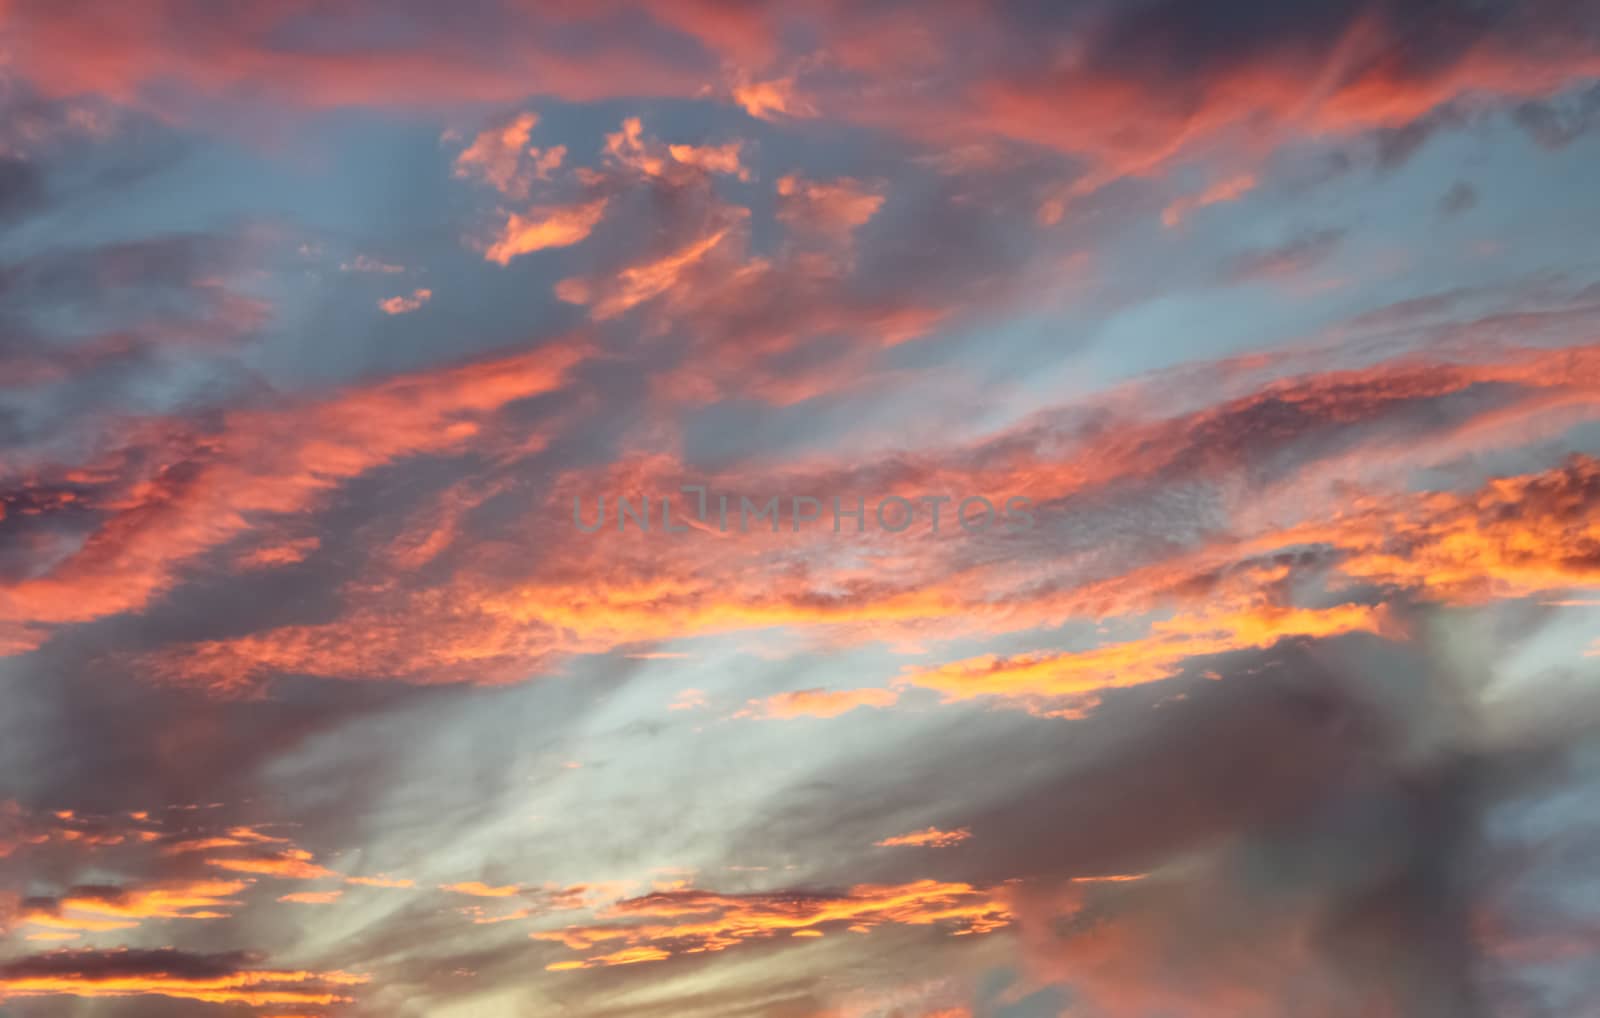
<point x="1396" y="145"/>
<point x="1462" y="197"/>
<point x="1412" y="310"/>
<point x="1416" y="38"/>
<point x="121" y="270"/>
<point x="102" y="965"/>
<point x="21" y="188"/>
<point x="1291" y="258"/>
<point x="1557" y="123"/>
<point x="232" y="977"/>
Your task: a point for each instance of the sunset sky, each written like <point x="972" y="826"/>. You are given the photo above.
<point x="316" y="319"/>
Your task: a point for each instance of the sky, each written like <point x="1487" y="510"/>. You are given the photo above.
<point x="1112" y="487"/>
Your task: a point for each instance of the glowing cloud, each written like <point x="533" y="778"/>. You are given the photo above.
<point x="655" y="927"/>
<point x="208" y="978"/>
<point x="405" y="305"/>
<point x="930" y="837"/>
<point x="497" y="155"/>
<point x="818" y="703"/>
<point x="545" y="227"/>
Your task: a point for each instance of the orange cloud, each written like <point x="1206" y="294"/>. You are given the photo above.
<point x="772" y="99"/>
<point x="405" y="305"/>
<point x="262" y="462"/>
<point x="283" y="554"/>
<point x="712" y="158"/>
<point x="1516" y="537"/>
<point x="1266" y="82"/>
<point x="545" y="227"/>
<point x="688" y="699"/>
<point x="1226" y="190"/>
<point x="628" y="148"/>
<point x="293" y="864"/>
<point x="61" y="923"/>
<point x="1135" y="123"/>
<point x="643" y="282"/>
<point x="20" y="831"/>
<point x="312" y="897"/>
<point x="832" y="209"/>
<point x="930" y="837"/>
<point x="380" y="882"/>
<point x="597" y="596"/>
<point x="547" y="899"/>
<point x="476" y="889"/>
<point x="690" y="921"/>
<point x="1048" y="676"/>
<point x="234" y="837"/>
<point x="197" y="899"/>
<point x="500" y="54"/>
<point x="213" y="979"/>
<point x="818" y="703"/>
<point x="558" y="613"/>
<point x="498" y="155"/>
<point x="626" y="956"/>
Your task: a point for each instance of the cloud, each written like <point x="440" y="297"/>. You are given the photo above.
<point x="367" y="263"/>
<point x="217" y="511"/>
<point x="498" y="154"/>
<point x="100" y="908"/>
<point x="22" y="830"/>
<point x="476" y="889"/>
<point x="1462" y="197"/>
<point x="1156" y="81"/>
<point x="1048" y="677"/>
<point x="1225" y="190"/>
<point x="1162" y="80"/>
<point x="818" y="703"/>
<point x="833" y="208"/>
<point x="379" y="882"/>
<point x="290" y="864"/>
<point x="1292" y="258"/>
<point x="212" y="978"/>
<point x="271" y="556"/>
<point x="771" y="100"/>
<point x="21" y="188"/>
<point x="270" y="460"/>
<point x="930" y="837"/>
<point x="595" y="596"/>
<point x="712" y="158"/>
<point x="501" y="53"/>
<point x="679" y="163"/>
<point x="78" y="313"/>
<point x="233" y="837"/>
<point x="1518" y="536"/>
<point x="405" y="305"/>
<point x="1558" y="122"/>
<point x="660" y="925"/>
<point x="637" y="284"/>
<point x="547" y="226"/>
<point x="688" y="699"/>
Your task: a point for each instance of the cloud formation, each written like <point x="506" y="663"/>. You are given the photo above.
<point x="324" y="699"/>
